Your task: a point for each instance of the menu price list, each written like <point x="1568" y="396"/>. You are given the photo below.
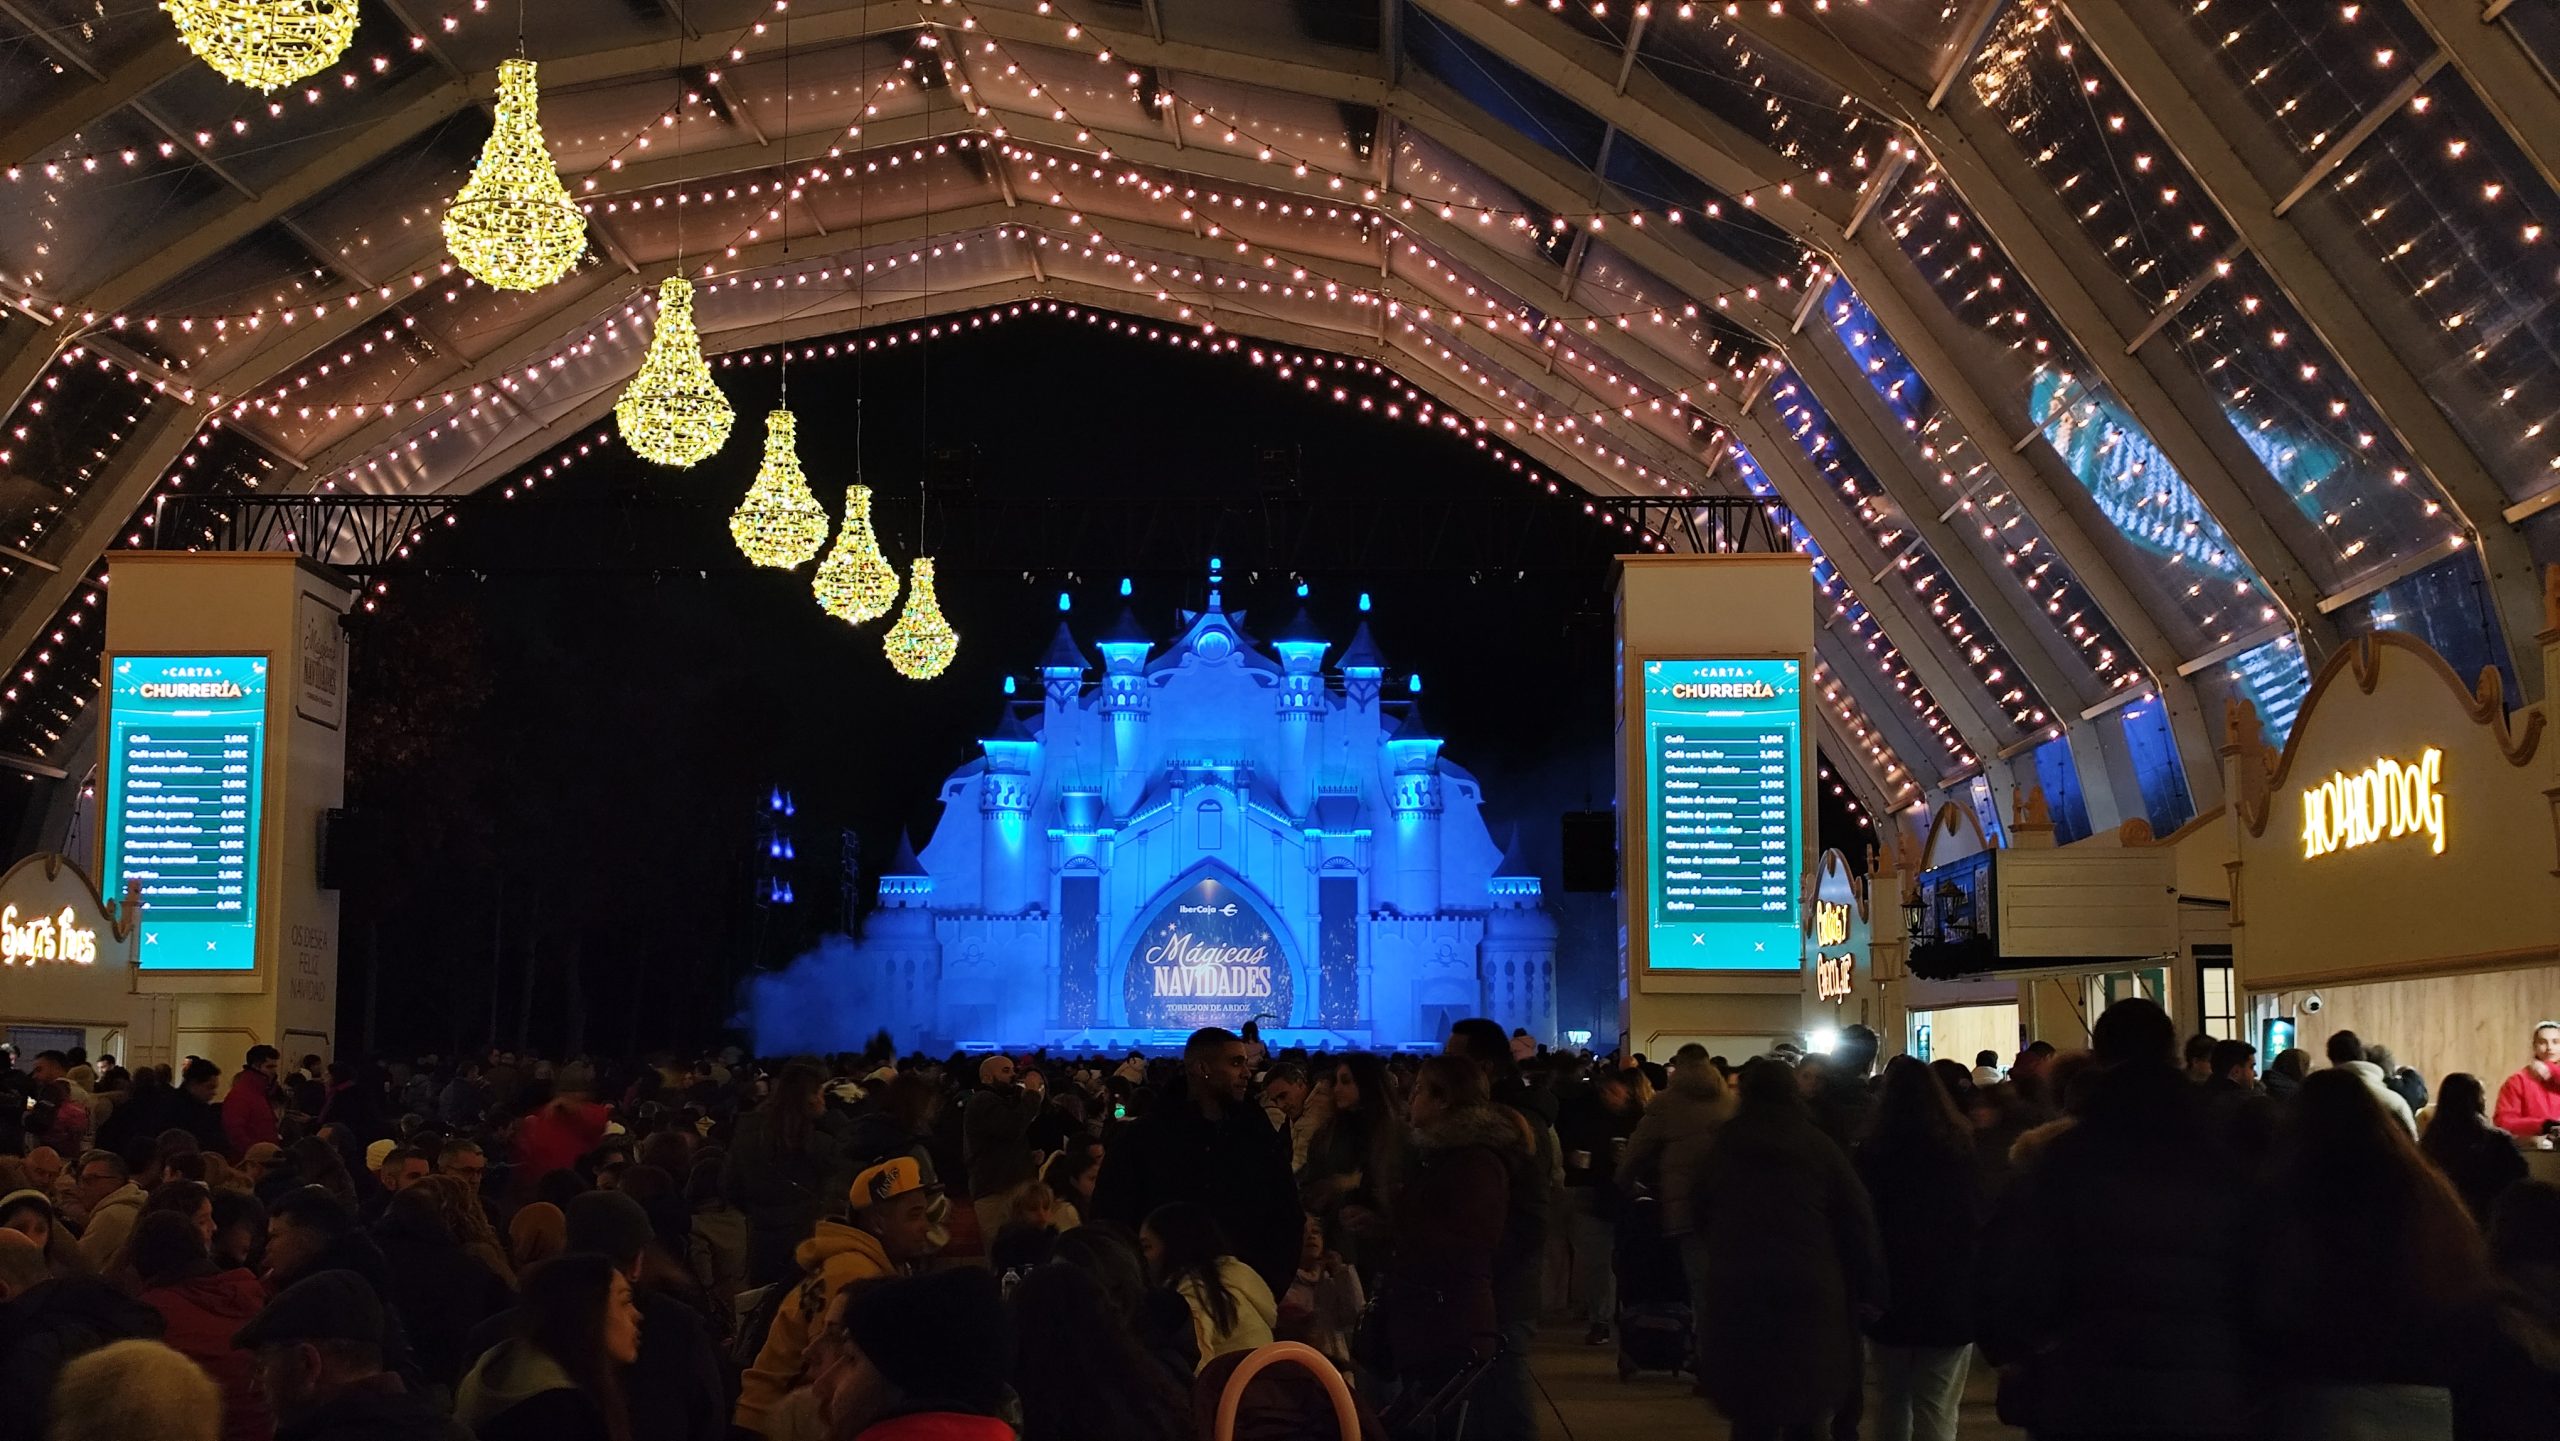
<point x="1722" y="828"/>
<point x="188" y="795"/>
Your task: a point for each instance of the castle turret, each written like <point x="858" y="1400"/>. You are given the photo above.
<point x="1301" y="649"/>
<point x="1363" y="666"/>
<point x="1062" y="669"/>
<point x="1004" y="810"/>
<point x="898" y="940"/>
<point x="1124" y="702"/>
<point x="1413" y="762"/>
<point x="1519" y="946"/>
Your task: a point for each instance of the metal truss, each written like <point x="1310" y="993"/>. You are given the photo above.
<point x="374" y="537"/>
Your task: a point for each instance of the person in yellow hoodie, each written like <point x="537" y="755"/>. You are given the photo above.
<point x="890" y="1231"/>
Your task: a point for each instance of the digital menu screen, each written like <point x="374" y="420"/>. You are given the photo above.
<point x="1723" y="771"/>
<point x="186" y="765"/>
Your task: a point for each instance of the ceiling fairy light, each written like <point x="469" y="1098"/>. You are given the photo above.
<point x="672" y="413"/>
<point x="265" y="43"/>
<point x="922" y="643"/>
<point x="856" y="583"/>
<point x="514" y="225"/>
<point x="779" y="523"/>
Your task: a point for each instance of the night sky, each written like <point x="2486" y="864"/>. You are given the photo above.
<point x="567" y="730"/>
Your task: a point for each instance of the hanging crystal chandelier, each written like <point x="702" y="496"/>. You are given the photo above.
<point x="671" y="412"/>
<point x="922" y="643"/>
<point x="779" y="523"/>
<point x="514" y="225"/>
<point x="856" y="583"/>
<point x="265" y="43"/>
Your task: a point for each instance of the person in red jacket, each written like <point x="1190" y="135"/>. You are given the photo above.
<point x="2530" y="1100"/>
<point x="202" y="1307"/>
<point x="249" y="1107"/>
<point x="554" y="1137"/>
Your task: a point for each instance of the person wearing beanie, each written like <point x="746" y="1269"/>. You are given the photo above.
<point x="319" y="1353"/>
<point x="925" y="1358"/>
<point x="891" y="1231"/>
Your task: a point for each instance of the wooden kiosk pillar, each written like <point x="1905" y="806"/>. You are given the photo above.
<point x="221" y="751"/>
<point x="1715" y="767"/>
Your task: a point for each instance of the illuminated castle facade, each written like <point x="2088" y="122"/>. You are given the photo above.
<point x="1206" y="831"/>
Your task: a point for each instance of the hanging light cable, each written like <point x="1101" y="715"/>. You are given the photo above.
<point x="671" y="412"/>
<point x="856" y="583"/>
<point x="514" y="225"/>
<point x="920" y="646"/>
<point x="265" y="44"/>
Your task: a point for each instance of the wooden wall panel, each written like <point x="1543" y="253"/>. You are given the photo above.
<point x="2480" y="1023"/>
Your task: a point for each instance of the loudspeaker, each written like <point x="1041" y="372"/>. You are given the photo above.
<point x="346" y="848"/>
<point x="1591" y="851"/>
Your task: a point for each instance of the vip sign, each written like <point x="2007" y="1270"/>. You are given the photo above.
<point x="2385" y="801"/>
<point x="59" y="938"/>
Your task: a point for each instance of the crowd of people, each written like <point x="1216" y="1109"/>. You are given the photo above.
<point x="2141" y="1239"/>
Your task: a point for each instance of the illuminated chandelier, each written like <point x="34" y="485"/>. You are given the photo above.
<point x="779" y="523"/>
<point x="514" y="225"/>
<point x="856" y="583"/>
<point x="265" y="43"/>
<point x="922" y="643"/>
<point x="671" y="412"/>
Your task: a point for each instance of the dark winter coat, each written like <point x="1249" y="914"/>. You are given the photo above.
<point x="1439" y="1290"/>
<point x="1237" y="1167"/>
<point x="2112" y="1282"/>
<point x="44" y="1329"/>
<point x="782" y="1192"/>
<point x="1929" y="1208"/>
<point x="200" y="1312"/>
<point x="2479" y="1159"/>
<point x="1669" y="1146"/>
<point x="995" y="1129"/>
<point x="1531" y="1204"/>
<point x="1791" y="1253"/>
<point x="168" y="1109"/>
<point x="378" y="1409"/>
<point x="439" y="1289"/>
<point x="675" y="1389"/>
<point x="1585" y="1126"/>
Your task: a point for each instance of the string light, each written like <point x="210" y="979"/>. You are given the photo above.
<point x="856" y="583"/>
<point x="672" y="413"/>
<point x="514" y="225"/>
<point x="778" y="523"/>
<point x="920" y="646"/>
<point x="265" y="43"/>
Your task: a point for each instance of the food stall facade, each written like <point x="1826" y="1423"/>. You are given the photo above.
<point x="67" y="969"/>
<point x="2395" y="868"/>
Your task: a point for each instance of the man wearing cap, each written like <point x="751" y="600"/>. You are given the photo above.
<point x="891" y="1230"/>
<point x="319" y="1352"/>
<point x="925" y="1358"/>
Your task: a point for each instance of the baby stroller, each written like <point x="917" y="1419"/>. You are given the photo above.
<point x="1656" y="1331"/>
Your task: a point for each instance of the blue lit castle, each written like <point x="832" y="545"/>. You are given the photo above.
<point x="1219" y="829"/>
